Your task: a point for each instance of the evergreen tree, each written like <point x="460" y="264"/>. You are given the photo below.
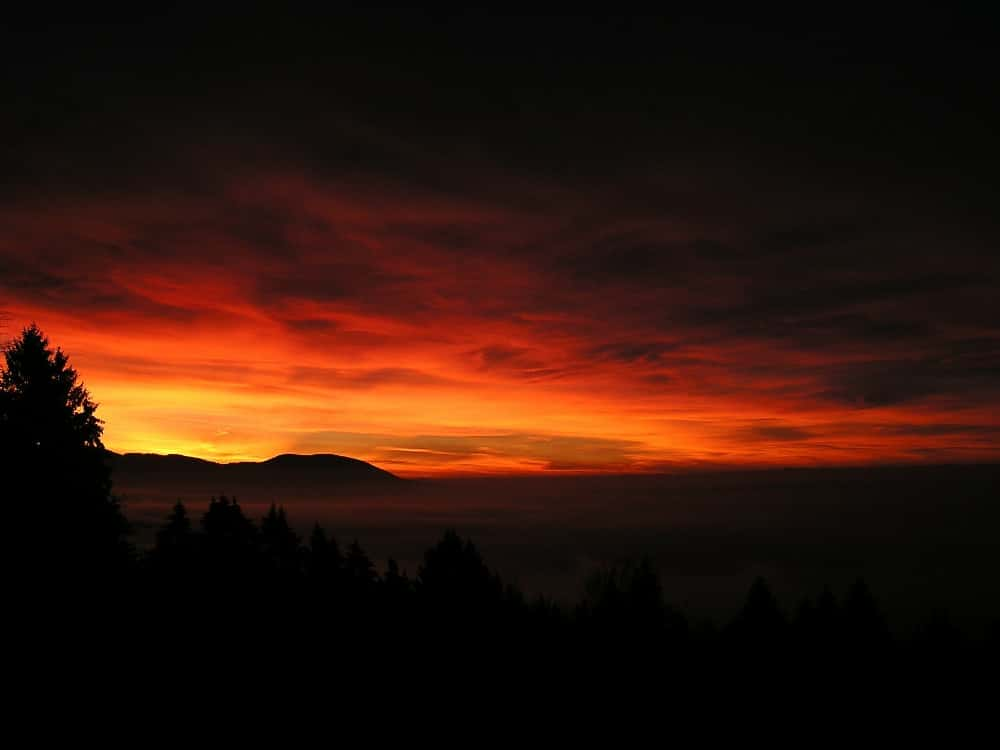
<point x="760" y="630"/>
<point x="50" y="444"/>
<point x="177" y="534"/>
<point x="624" y="603"/>
<point x="225" y="525"/>
<point x="454" y="577"/>
<point x="396" y="584"/>
<point x="828" y="636"/>
<point x="230" y="540"/>
<point x="358" y="567"/>
<point x="279" y="542"/>
<point x="396" y="590"/>
<point x="864" y="628"/>
<point x="325" y="562"/>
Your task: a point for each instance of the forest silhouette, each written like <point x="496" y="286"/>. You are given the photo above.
<point x="221" y="584"/>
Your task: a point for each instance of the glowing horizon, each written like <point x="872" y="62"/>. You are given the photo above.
<point x="444" y="335"/>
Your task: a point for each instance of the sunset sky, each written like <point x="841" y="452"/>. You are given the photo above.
<point x="467" y="244"/>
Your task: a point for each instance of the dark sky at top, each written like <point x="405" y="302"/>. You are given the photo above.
<point x="906" y="101"/>
<point x="770" y="235"/>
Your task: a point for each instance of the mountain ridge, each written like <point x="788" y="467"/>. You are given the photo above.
<point x="285" y="469"/>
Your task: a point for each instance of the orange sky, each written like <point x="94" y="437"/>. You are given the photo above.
<point x="433" y="332"/>
<point x="505" y="242"/>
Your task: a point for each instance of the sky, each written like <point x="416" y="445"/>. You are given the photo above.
<point x="497" y="243"/>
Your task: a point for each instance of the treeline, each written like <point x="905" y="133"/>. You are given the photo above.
<point x="263" y="578"/>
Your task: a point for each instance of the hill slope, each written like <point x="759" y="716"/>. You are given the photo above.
<point x="287" y="471"/>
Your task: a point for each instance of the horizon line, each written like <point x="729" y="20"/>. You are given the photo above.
<point x="673" y="470"/>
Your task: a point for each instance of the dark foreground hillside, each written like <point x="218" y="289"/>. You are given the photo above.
<point x="921" y="536"/>
<point x="222" y="587"/>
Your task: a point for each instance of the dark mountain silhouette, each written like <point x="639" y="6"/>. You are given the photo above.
<point x="287" y="471"/>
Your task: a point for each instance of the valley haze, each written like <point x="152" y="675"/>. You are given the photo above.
<point x="923" y="536"/>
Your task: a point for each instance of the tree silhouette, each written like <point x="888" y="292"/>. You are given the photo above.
<point x="393" y="580"/>
<point x="177" y="534"/>
<point x="279" y="542"/>
<point x="624" y="609"/>
<point x="324" y="561"/>
<point x="51" y="437"/>
<point x="864" y="628"/>
<point x="397" y="591"/>
<point x="358" y="568"/>
<point x="453" y="571"/>
<point x="226" y="526"/>
<point x="458" y="593"/>
<point x="230" y="540"/>
<point x="45" y="409"/>
<point x="173" y="569"/>
<point x="173" y="555"/>
<point x="760" y="630"/>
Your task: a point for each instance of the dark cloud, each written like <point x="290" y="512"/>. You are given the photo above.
<point x="519" y="362"/>
<point x="772" y="432"/>
<point x="858" y="327"/>
<point x="360" y="283"/>
<point x="628" y="352"/>
<point x="502" y="356"/>
<point x="74" y="290"/>
<point x="623" y="260"/>
<point x="974" y="430"/>
<point x="808" y="239"/>
<point x="312" y="325"/>
<point x="335" y="379"/>
<point x="772" y="304"/>
<point x="888" y="382"/>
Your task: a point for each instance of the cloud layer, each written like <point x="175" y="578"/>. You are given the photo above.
<point x="438" y="331"/>
<point x="635" y="245"/>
